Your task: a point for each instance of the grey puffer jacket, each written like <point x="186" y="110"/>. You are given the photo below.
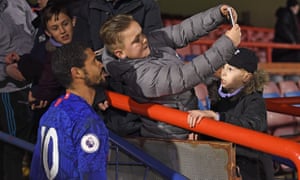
<point x="163" y="77"/>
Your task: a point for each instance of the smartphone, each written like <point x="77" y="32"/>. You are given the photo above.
<point x="36" y="102"/>
<point x="230" y="16"/>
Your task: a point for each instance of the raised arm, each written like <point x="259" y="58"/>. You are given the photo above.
<point x="196" y="26"/>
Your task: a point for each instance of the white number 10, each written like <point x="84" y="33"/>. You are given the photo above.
<point x="46" y="138"/>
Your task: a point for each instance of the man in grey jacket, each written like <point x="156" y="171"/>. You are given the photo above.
<point x="149" y="70"/>
<point x="17" y="34"/>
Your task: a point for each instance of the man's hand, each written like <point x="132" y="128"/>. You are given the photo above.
<point x="11" y="58"/>
<point x="13" y="72"/>
<point x="34" y="103"/>
<point x="193" y="136"/>
<point x="103" y="105"/>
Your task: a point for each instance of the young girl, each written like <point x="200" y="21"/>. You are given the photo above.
<point x="236" y="98"/>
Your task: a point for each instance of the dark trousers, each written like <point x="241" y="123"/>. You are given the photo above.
<point x="15" y="120"/>
<point x="258" y="169"/>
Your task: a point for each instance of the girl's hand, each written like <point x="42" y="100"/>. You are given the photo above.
<point x="195" y="116"/>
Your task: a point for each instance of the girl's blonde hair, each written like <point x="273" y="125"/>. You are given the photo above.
<point x="257" y="82"/>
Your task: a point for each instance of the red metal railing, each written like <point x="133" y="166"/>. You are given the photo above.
<point x="252" y="37"/>
<point x="249" y="138"/>
<point x="284" y="105"/>
<point x="268" y="46"/>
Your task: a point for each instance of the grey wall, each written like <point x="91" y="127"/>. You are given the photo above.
<point x="257" y="13"/>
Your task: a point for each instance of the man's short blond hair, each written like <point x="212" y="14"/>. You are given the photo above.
<point x="111" y="30"/>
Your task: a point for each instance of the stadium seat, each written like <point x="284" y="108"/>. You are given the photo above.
<point x="287" y="131"/>
<point x="196" y="49"/>
<point x="278" y="121"/>
<point x="202" y="95"/>
<point x="271" y="90"/>
<point x="289" y="88"/>
<point x="190" y="57"/>
<point x="276" y="78"/>
<point x="184" y="51"/>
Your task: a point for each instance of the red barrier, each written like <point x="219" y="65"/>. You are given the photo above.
<point x="249" y="138"/>
<point x="265" y="45"/>
<point x="284" y="105"/>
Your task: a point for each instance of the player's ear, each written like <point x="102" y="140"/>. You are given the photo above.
<point x="77" y="73"/>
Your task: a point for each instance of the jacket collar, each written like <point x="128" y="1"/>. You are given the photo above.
<point x="228" y="95"/>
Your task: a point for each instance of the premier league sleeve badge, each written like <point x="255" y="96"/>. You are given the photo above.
<point x="90" y="143"/>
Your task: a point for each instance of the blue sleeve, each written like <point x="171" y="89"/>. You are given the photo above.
<point x="93" y="176"/>
<point x="92" y="147"/>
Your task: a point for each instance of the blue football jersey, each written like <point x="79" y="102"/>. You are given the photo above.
<point x="72" y="142"/>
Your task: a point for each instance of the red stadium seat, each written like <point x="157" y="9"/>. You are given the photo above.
<point x="202" y="95"/>
<point x="289" y="88"/>
<point x="271" y="90"/>
<point x="184" y="51"/>
<point x="277" y="121"/>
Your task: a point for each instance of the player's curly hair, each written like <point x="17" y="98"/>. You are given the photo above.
<point x="66" y="57"/>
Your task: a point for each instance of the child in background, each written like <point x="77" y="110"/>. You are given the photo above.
<point x="236" y="98"/>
